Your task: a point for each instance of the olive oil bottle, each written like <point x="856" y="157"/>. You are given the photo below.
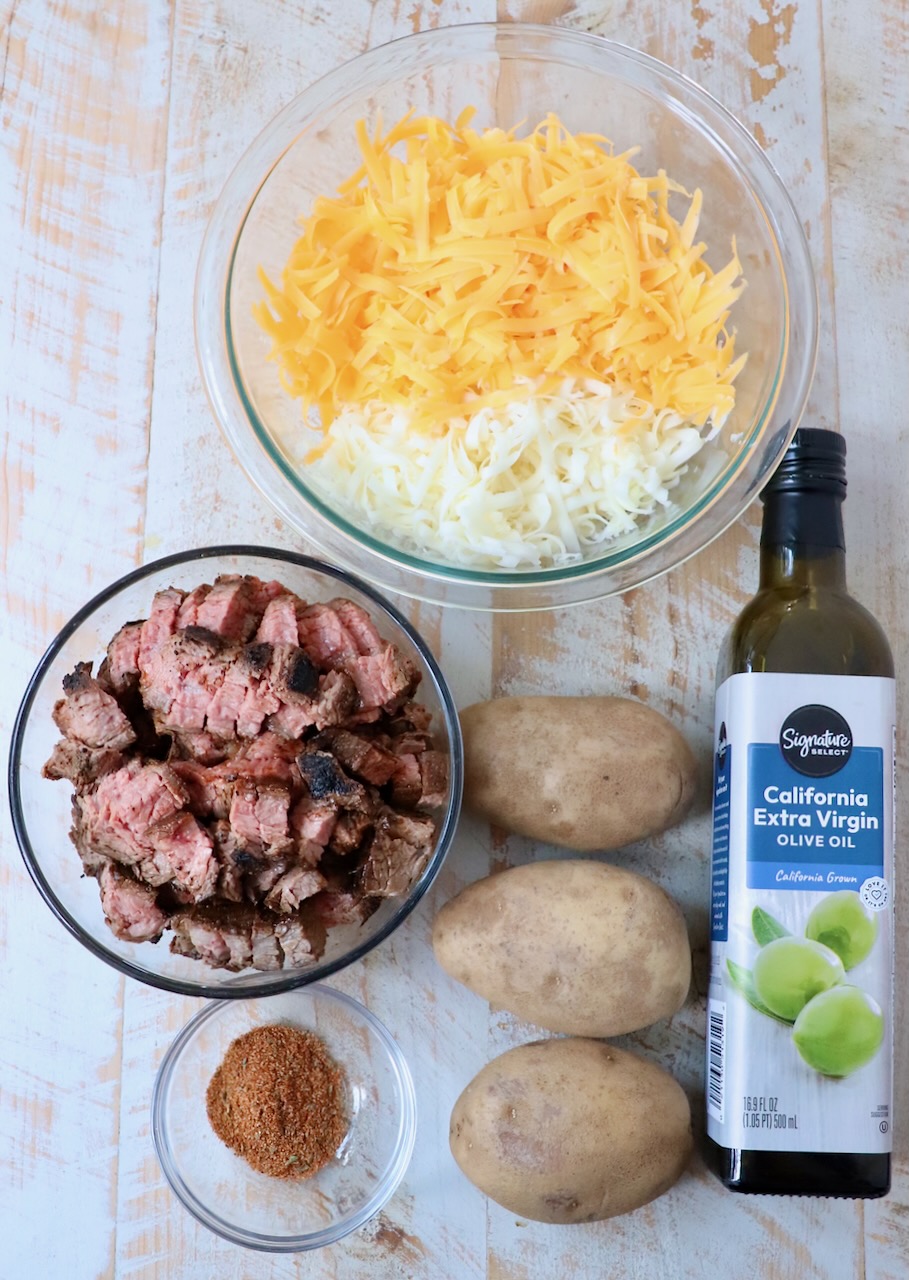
<point x="799" y="1019"/>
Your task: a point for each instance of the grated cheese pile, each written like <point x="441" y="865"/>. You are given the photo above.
<point x="540" y="483"/>
<point x="505" y="349"/>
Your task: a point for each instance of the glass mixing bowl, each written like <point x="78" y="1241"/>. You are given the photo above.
<point x="513" y="73"/>
<point x="41" y="809"/>
<point x="273" y="1214"/>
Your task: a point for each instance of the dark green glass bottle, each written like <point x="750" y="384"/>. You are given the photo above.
<point x="802" y="618"/>
<point x="775" y="689"/>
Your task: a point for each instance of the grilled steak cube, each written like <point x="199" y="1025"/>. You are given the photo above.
<point x="130" y="908"/>
<point x="90" y="715"/>
<point x="398" y="854"/>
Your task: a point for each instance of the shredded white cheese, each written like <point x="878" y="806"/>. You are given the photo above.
<point x="540" y="483"/>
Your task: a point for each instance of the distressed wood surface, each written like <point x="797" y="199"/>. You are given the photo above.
<point x="118" y="127"/>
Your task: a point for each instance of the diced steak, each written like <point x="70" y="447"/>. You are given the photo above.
<point x="326" y="780"/>
<point x="181" y="851"/>
<point x="292" y="888"/>
<point x="433" y="779"/>
<point x="90" y="715"/>
<point x="279" y="622"/>
<point x="293" y="676"/>
<point x="137" y="816"/>
<point x="412" y="717"/>
<point x="218" y="933"/>
<point x="259" y="813"/>
<point x="363" y="758"/>
<point x="160" y="623"/>
<point x="268" y="756"/>
<point x="337" y="699"/>
<point x="123" y="657"/>
<point x="81" y="765"/>
<point x="340" y="907"/>
<point x="312" y="823"/>
<point x="234" y="860"/>
<point x="350" y="830"/>
<point x="262" y="593"/>
<point x="188" y="615"/>
<point x="201" y="746"/>
<point x="244" y="698"/>
<point x="130" y="908"/>
<point x="230" y="609"/>
<point x="126" y="803"/>
<point x="270" y="867"/>
<point x="383" y="679"/>
<point x="302" y="937"/>
<point x="398" y="854"/>
<point x="210" y="787"/>
<point x="413" y="742"/>
<point x="181" y="677"/>
<point x="358" y="625"/>
<point x="266" y="949"/>
<point x="324" y="636"/>
<point x="407" y="783"/>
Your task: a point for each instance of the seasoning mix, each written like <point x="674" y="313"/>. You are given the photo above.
<point x="277" y="1100"/>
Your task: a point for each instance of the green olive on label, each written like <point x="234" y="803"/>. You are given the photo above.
<point x="791" y="971"/>
<point x="839" y="1030"/>
<point x="842" y="922"/>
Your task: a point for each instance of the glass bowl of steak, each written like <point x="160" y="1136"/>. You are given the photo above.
<point x="259" y="1184"/>
<point x="235" y="771"/>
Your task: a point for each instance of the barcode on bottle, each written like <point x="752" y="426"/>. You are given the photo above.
<point x="716" y="1059"/>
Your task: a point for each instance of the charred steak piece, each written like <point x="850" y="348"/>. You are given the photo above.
<point x="90" y="715"/>
<point x="363" y="757"/>
<point x="81" y="765"/>
<point x="326" y="780"/>
<point x="122" y="660"/>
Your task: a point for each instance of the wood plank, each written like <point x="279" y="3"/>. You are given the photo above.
<point x="84" y="95"/>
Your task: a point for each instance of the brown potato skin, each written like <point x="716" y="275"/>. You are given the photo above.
<point x="586" y="773"/>
<point x="571" y="1131"/>
<point x="576" y="946"/>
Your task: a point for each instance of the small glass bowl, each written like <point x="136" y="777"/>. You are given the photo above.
<point x="41" y="809"/>
<point x="511" y="72"/>
<point x="273" y="1214"/>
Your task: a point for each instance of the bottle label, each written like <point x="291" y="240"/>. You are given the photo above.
<point x="799" y="1016"/>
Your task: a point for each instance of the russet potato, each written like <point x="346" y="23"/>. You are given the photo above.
<point x="575" y="946"/>
<point x="571" y="1131"/>
<point x="586" y="773"/>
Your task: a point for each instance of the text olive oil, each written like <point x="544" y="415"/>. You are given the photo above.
<point x="799" y="1021"/>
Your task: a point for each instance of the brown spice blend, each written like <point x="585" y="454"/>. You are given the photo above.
<point x="277" y="1100"/>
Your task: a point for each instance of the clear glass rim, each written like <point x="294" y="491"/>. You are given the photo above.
<point x="279" y="482"/>
<point x="391" y="1180"/>
<point x="292" y="979"/>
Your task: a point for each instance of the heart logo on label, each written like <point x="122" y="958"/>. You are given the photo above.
<point x="876" y="894"/>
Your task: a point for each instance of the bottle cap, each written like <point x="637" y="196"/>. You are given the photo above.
<point x="815" y="461"/>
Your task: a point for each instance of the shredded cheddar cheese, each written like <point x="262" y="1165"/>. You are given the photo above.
<point x="459" y="271"/>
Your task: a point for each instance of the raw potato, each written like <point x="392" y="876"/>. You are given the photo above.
<point x="575" y="946"/>
<point x="587" y="773"/>
<point x="571" y="1131"/>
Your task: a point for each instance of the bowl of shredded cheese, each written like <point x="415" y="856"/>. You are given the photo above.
<point x="506" y="317"/>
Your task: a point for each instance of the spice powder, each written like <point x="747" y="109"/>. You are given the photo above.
<point x="277" y="1100"/>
